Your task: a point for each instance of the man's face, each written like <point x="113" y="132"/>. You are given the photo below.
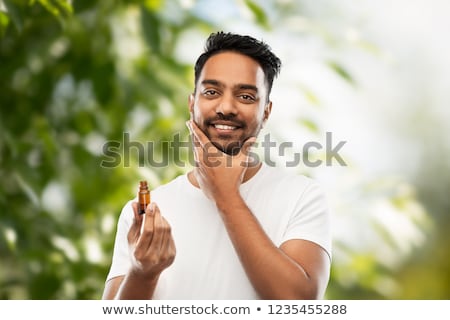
<point x="230" y="102"/>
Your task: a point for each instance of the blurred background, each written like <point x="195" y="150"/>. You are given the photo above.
<point x="78" y="78"/>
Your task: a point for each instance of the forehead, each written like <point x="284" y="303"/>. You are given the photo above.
<point x="231" y="68"/>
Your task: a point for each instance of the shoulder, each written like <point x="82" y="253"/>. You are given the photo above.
<point x="176" y="185"/>
<point x="291" y="186"/>
<point x="175" y="182"/>
<point x="287" y="179"/>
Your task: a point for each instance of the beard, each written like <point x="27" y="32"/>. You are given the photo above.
<point x="232" y="148"/>
<point x="228" y="143"/>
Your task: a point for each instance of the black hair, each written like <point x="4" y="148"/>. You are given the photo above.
<point x="257" y="50"/>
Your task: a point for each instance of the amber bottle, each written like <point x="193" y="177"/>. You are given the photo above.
<point x="143" y="196"/>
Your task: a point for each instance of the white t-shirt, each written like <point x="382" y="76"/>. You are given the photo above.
<point x="206" y="265"/>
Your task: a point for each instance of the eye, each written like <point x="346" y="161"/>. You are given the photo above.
<point x="210" y="92"/>
<point x="247" y="98"/>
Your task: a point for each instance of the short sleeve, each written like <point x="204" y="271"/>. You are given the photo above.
<point x="121" y="257"/>
<point x="310" y="219"/>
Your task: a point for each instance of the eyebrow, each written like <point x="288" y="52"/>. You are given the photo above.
<point x="238" y="86"/>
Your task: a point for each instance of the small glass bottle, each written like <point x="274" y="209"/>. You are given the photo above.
<point x="143" y="196"/>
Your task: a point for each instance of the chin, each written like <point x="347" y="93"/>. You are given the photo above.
<point x="231" y="148"/>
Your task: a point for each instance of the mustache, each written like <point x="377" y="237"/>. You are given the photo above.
<point x="222" y="117"/>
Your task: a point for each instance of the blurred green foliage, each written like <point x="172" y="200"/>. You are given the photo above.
<point x="65" y="90"/>
<point x="73" y="76"/>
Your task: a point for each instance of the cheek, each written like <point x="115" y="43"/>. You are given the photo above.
<point x="256" y="117"/>
<point x="196" y="116"/>
<point x="199" y="115"/>
<point x="196" y="111"/>
<point x="204" y="109"/>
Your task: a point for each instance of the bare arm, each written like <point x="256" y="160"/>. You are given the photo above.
<point x="112" y="287"/>
<point x="153" y="250"/>
<point x="298" y="269"/>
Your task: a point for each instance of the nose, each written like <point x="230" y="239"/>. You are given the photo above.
<point x="226" y="105"/>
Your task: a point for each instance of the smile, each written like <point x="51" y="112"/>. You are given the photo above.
<point x="224" y="127"/>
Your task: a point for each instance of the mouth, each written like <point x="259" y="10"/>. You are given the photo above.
<point x="225" y="127"/>
<point x="225" y="134"/>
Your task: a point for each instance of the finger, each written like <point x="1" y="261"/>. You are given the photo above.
<point x="166" y="240"/>
<point x="198" y="147"/>
<point x="168" y="249"/>
<point x="147" y="228"/>
<point x="159" y="230"/>
<point x="172" y="247"/>
<point x="134" y="232"/>
<point x="135" y="206"/>
<point x="198" y="133"/>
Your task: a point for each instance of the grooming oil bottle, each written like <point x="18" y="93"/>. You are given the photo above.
<point x="143" y="196"/>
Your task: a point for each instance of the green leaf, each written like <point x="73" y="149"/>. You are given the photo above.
<point x="57" y="8"/>
<point x="258" y="12"/>
<point x="153" y="5"/>
<point x="309" y="124"/>
<point x="15" y="13"/>
<point x="4" y="22"/>
<point x="150" y="26"/>
<point x="339" y="69"/>
<point x="310" y="96"/>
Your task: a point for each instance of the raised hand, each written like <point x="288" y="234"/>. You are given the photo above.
<point x="217" y="173"/>
<point x="151" y="243"/>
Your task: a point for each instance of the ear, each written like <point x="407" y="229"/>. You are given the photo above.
<point x="191" y="101"/>
<point x="267" y="111"/>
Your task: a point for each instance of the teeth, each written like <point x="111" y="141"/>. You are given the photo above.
<point x="224" y="127"/>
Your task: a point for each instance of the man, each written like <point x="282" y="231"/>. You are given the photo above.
<point x="241" y="229"/>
